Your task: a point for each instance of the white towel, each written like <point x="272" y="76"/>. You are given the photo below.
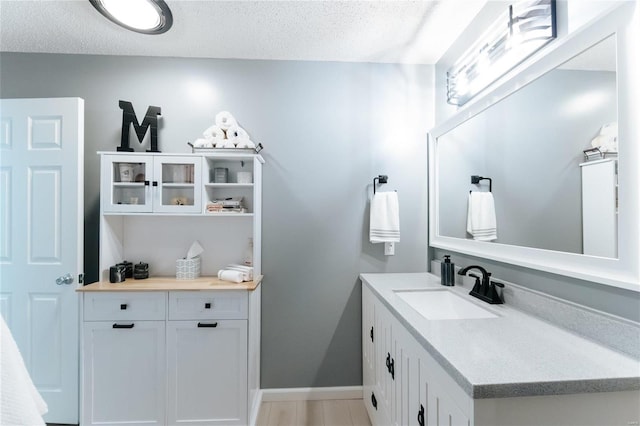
<point x="224" y="120"/>
<point x="481" y="216"/>
<point x="246" y="144"/>
<point x="228" y="275"/>
<point x="247" y="271"/>
<point x="203" y="143"/>
<point x="237" y="134"/>
<point x="214" y="133"/>
<point x="20" y="402"/>
<point x="384" y="223"/>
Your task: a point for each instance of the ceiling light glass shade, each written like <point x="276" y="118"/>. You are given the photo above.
<point x="518" y="32"/>
<point x="143" y="16"/>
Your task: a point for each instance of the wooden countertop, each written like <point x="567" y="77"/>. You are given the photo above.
<point x="170" y="283"/>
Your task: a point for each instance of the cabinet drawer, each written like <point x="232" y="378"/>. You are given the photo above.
<point x="194" y="305"/>
<point x="125" y="306"/>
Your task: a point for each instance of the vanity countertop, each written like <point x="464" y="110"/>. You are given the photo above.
<point x="172" y="284"/>
<point x="512" y="355"/>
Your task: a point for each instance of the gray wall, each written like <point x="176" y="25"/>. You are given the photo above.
<point x="571" y="15"/>
<point x="327" y="128"/>
<point x="530" y="144"/>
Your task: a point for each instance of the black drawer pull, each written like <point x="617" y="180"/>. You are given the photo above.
<point x="154" y="183"/>
<point x="146" y="183"/>
<point x="421" y="415"/>
<point x="123" y="325"/>
<point x="371" y="334"/>
<point x="388" y="363"/>
<point x="202" y="325"/>
<point x="207" y="305"/>
<point x="374" y="401"/>
<point x="123" y="306"/>
<point x="392" y="369"/>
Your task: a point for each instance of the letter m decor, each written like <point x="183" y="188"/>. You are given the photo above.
<point x="150" y="120"/>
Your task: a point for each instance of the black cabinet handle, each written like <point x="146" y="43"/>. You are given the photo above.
<point x="392" y="369"/>
<point x="207" y="305"/>
<point x="421" y="415"/>
<point x="123" y="325"/>
<point x="388" y="363"/>
<point x="155" y="183"/>
<point x="123" y="306"/>
<point x="210" y="325"/>
<point x="371" y="334"/>
<point x="146" y="183"/>
<point x="374" y="401"/>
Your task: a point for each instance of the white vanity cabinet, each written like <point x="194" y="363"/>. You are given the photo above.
<point x="146" y="183"/>
<point x="402" y="383"/>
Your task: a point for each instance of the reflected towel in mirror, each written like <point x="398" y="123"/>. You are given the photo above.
<point x="481" y="216"/>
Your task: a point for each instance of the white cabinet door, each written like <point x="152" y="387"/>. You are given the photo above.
<point x="133" y="183"/>
<point x="124" y="373"/>
<point x="207" y="368"/>
<point x="368" y="349"/>
<point x="177" y="184"/>
<point x="126" y="183"/>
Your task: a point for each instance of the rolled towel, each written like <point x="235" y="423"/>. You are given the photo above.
<point x="246" y="143"/>
<point x="238" y="133"/>
<point x="247" y="271"/>
<point x="202" y="143"/>
<point x="227" y="275"/>
<point x="224" y="120"/>
<point x="214" y="132"/>
<point x="228" y="143"/>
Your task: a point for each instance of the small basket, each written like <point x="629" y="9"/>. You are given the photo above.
<point x="188" y="269"/>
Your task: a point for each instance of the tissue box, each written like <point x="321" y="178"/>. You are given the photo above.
<point x="188" y="269"/>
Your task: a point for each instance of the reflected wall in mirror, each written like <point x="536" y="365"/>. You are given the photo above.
<point x="531" y="144"/>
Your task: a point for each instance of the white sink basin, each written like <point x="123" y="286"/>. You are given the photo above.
<point x="442" y="304"/>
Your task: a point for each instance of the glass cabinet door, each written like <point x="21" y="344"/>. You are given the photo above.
<point x="128" y="183"/>
<point x="177" y="184"/>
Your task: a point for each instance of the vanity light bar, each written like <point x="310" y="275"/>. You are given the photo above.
<point x="518" y="32"/>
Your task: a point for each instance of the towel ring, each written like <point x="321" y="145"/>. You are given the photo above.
<point x="475" y="179"/>
<point x="381" y="179"/>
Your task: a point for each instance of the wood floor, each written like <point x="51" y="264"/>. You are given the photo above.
<point x="348" y="412"/>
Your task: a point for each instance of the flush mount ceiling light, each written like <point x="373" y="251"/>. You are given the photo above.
<point x="520" y="31"/>
<point x="143" y="16"/>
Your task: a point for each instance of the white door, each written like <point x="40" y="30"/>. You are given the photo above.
<point x="41" y="240"/>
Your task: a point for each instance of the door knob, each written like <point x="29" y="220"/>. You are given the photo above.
<point x="65" y="279"/>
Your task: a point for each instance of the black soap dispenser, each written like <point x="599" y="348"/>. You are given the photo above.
<point x="447" y="271"/>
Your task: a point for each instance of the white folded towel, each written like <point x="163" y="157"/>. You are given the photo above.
<point x="246" y="144"/>
<point x="228" y="143"/>
<point x="481" y="216"/>
<point x="224" y="120"/>
<point x="228" y="275"/>
<point x="20" y="402"/>
<point x="384" y="223"/>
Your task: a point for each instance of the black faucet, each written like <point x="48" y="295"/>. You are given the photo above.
<point x="485" y="289"/>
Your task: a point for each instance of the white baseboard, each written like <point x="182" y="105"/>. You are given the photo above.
<point x="253" y="413"/>
<point x="311" y="394"/>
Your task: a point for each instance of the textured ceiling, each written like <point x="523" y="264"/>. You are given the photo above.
<point x="353" y="31"/>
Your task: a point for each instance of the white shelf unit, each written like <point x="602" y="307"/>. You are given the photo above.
<point x="158" y="232"/>
<point x="600" y="208"/>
